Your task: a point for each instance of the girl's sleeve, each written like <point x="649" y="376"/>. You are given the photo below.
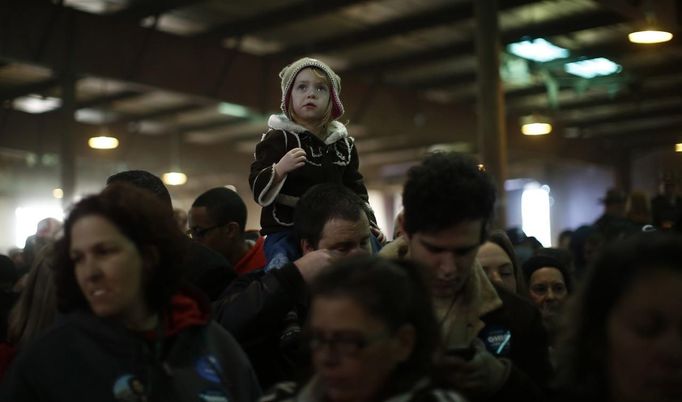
<point x="269" y="151"/>
<point x="352" y="178"/>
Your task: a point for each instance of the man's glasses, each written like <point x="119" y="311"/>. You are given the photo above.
<point x="345" y="343"/>
<point x="199" y="233"/>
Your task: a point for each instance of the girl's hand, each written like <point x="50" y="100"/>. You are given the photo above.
<point x="291" y="161"/>
<point x="379" y="235"/>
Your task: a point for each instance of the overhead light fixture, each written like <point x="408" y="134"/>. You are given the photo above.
<point x="591" y="68"/>
<point x="36" y="103"/>
<point x="58" y="193"/>
<point x="103" y="142"/>
<point x="232" y="109"/>
<point x="649" y="36"/>
<point x="678" y="147"/>
<point x="539" y="50"/>
<point x="174" y="178"/>
<point x="535" y="124"/>
<point x="652" y="32"/>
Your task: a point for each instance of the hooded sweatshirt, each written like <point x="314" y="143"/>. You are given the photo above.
<point x="88" y="358"/>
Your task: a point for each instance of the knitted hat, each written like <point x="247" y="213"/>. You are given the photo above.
<point x="289" y="73"/>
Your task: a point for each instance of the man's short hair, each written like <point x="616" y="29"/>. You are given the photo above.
<point x="322" y="203"/>
<point x="223" y="206"/>
<point x="145" y="180"/>
<point x="444" y="190"/>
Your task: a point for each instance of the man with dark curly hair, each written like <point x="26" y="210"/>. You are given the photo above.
<point x="495" y="345"/>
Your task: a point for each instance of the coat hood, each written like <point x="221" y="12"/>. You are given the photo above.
<point x="335" y="129"/>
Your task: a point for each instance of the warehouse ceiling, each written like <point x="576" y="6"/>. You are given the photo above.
<point x="191" y="83"/>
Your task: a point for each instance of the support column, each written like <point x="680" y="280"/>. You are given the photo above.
<point x="492" y="134"/>
<point x="67" y="155"/>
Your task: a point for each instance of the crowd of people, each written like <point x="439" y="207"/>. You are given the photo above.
<point x="121" y="303"/>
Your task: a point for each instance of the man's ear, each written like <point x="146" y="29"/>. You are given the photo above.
<point x="232" y="229"/>
<point x="306" y="247"/>
<point x="401" y="224"/>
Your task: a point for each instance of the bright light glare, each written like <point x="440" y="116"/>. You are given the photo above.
<point x="174" y="178"/>
<point x="232" y="109"/>
<point x="376" y="200"/>
<point x="650" y="36"/>
<point x="678" y="147"/>
<point x="27" y="219"/>
<point x="535" y="216"/>
<point x="103" y="142"/>
<point x="58" y="193"/>
<point x="36" y="103"/>
<point x="593" y="67"/>
<point x="538" y="50"/>
<point x="536" y="129"/>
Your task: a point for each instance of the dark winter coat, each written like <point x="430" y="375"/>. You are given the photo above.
<point x="334" y="160"/>
<point x="266" y="312"/>
<point x="87" y="358"/>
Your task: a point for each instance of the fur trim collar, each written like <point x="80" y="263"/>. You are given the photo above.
<point x="335" y="130"/>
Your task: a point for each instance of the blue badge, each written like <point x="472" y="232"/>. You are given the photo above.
<point x="497" y="340"/>
<point x="128" y="388"/>
<point x="208" y="368"/>
<point x="213" y="395"/>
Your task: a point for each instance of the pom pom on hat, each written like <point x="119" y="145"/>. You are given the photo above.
<point x="288" y="75"/>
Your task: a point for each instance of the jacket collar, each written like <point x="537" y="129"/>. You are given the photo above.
<point x="335" y="129"/>
<point x="479" y="297"/>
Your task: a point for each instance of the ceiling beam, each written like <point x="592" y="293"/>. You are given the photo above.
<point x="108" y="99"/>
<point x="579" y="22"/>
<point x="146" y="8"/>
<point x="634" y="127"/>
<point x="274" y="18"/>
<point x="208" y="125"/>
<point x="398" y="26"/>
<point x="622" y="98"/>
<point x="626" y="116"/>
<point x="128" y="118"/>
<point x="11" y="93"/>
<point x="184" y="65"/>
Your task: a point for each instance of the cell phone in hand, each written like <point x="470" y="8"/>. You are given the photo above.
<point x="463" y="352"/>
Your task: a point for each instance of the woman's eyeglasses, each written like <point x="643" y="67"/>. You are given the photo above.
<point x="346" y="343"/>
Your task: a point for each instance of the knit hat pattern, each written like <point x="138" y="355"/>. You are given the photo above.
<point x="289" y="73"/>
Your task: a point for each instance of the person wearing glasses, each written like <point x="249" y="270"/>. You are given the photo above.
<point x="217" y="219"/>
<point x="372" y="336"/>
<point x="206" y="269"/>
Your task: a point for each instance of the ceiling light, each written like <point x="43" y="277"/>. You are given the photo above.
<point x="103" y="142"/>
<point x="593" y="67"/>
<point x="58" y="193"/>
<point x="174" y="178"/>
<point x="678" y="147"/>
<point x="232" y="109"/>
<point x="535" y="124"/>
<point x="648" y="36"/>
<point x="36" y="103"/>
<point x="537" y="50"/>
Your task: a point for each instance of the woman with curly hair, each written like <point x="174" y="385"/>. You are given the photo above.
<point x="131" y="331"/>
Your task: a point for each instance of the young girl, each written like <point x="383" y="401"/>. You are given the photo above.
<point x="304" y="146"/>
